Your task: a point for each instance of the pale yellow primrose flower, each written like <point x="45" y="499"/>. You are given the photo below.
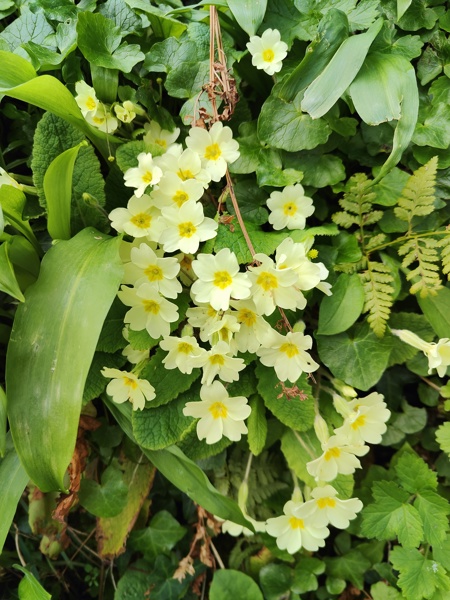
<point x="294" y="531"/>
<point x="215" y="147"/>
<point x="149" y="310"/>
<point x="364" y="418"/>
<point x="222" y="330"/>
<point x="219" y="414"/>
<point x="218" y="361"/>
<point x="287" y="355"/>
<point x="145" y="174"/>
<point x="139" y="219"/>
<point x="126" y="386"/>
<point x="147" y="267"/>
<point x="155" y="134"/>
<point x="338" y="458"/>
<point x="327" y="508"/>
<point x="219" y="279"/>
<point x="254" y="330"/>
<point x="289" y="208"/>
<point x="293" y="256"/>
<point x="186" y="227"/>
<point x="102" y="119"/>
<point x="438" y="354"/>
<point x="186" y="164"/>
<point x="268" y="51"/>
<point x="173" y="191"/>
<point x="125" y="113"/>
<point x="182" y="353"/>
<point x="86" y="99"/>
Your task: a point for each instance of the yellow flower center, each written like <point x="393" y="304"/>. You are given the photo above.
<point x="267" y="281"/>
<point x="131" y="383"/>
<point x="151" y="306"/>
<point x="247" y="317"/>
<point x="98" y="120"/>
<point x="313" y="253"/>
<point x="324" y="502"/>
<point x="161" y="143"/>
<point x="289" y="349"/>
<point x="290" y="209"/>
<point x="222" y="279"/>
<point x="218" y="410"/>
<point x="154" y="273"/>
<point x="141" y="220"/>
<point x="296" y="523"/>
<point x="184" y="175"/>
<point x="217" y="359"/>
<point x="185" y="348"/>
<point x="90" y="103"/>
<point x="180" y="197"/>
<point x="332" y="453"/>
<point x="147" y="177"/>
<point x="268" y="55"/>
<point x="359" y="422"/>
<point x="187" y="229"/>
<point x="212" y="152"/>
<point x="211" y="312"/>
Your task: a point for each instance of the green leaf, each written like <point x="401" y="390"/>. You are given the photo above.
<point x="73" y="287"/>
<point x="338" y="312"/>
<point x="228" y="584"/>
<point x="275" y="581"/>
<point x="169" y="54"/>
<point x="162" y="534"/>
<point x="28" y="27"/>
<point x="157" y="428"/>
<point x="105" y="500"/>
<point x="402" y="7"/>
<point x="419" y="577"/>
<point x="441" y="553"/>
<point x="433" y="510"/>
<point x="320" y="170"/>
<point x="29" y="586"/>
<point x="8" y="281"/>
<point x="390" y="188"/>
<point x="435" y="308"/>
<point x="12" y="201"/>
<point x="305" y="575"/>
<point x="293" y="412"/>
<point x="95" y="381"/>
<point x="351" y="567"/>
<point x="414" y="474"/>
<point x="443" y="437"/>
<point x="329" y="86"/>
<point x="249" y="15"/>
<point x="99" y="39"/>
<point x="411" y="420"/>
<point x="284" y="125"/>
<point x="257" y="425"/>
<point x="382" y="591"/>
<point x="14" y="479"/>
<point x="162" y="25"/>
<point x="358" y="356"/>
<point x="58" y="192"/>
<point x="3" y="422"/>
<point x="298" y="449"/>
<point x="283" y="15"/>
<point x="391" y="516"/>
<point x="168" y="384"/>
<point x="402" y="352"/>
<point x="124" y="18"/>
<point x="196" y="449"/>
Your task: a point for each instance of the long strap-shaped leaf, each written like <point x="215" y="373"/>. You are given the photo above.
<point x="248" y="13"/>
<point x="52" y="343"/>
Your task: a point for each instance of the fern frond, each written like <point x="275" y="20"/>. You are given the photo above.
<point x="375" y="241"/>
<point x="422" y="251"/>
<point x="445" y="254"/>
<point x="351" y="268"/>
<point x="345" y="220"/>
<point x="378" y="295"/>
<point x="357" y="204"/>
<point x="417" y="199"/>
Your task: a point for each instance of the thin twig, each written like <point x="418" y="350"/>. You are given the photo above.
<point x="19" y="553"/>
<point x="217" y="555"/>
<point x="430" y="383"/>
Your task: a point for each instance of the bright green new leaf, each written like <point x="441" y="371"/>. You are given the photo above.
<point x="295" y="412"/>
<point x="338" y="312"/>
<point x="8" y="281"/>
<point x="159" y="537"/>
<point x="24" y="259"/>
<point x="58" y="192"/>
<point x="414" y="474"/>
<point x="329" y="86"/>
<point x="433" y="510"/>
<point x="257" y="425"/>
<point x="14" y="479"/>
<point x="53" y="340"/>
<point x="2" y="422"/>
<point x="108" y="499"/>
<point x="419" y="576"/>
<point x="99" y="39"/>
<point x="12" y="201"/>
<point x="443" y="437"/>
<point x="29" y="586"/>
<point x="383" y="591"/>
<point x="248" y="13"/>
<point x="435" y="308"/>
<point x="228" y="584"/>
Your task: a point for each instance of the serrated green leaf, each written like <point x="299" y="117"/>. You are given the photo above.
<point x="29" y="586"/>
<point x="168" y="54"/>
<point x="257" y="425"/>
<point x="414" y="474"/>
<point x="249" y="15"/>
<point x="159" y="537"/>
<point x="441" y="553"/>
<point x="433" y="510"/>
<point x="340" y="311"/>
<point x="196" y="449"/>
<point x="443" y="437"/>
<point x="105" y="500"/>
<point x="419" y="577"/>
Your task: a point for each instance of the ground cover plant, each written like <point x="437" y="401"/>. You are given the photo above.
<point x="225" y="318"/>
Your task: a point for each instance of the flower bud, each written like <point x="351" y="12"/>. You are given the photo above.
<point x="321" y="429"/>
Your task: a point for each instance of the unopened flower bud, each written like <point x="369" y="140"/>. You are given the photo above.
<point x="341" y="406"/>
<point x="321" y="429"/>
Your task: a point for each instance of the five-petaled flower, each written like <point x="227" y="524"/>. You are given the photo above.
<point x="268" y="51"/>
<point x="145" y="174"/>
<point x="126" y="386"/>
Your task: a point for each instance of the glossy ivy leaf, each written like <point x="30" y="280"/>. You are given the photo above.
<point x="352" y="567"/>
<point x="340" y="311"/>
<point x="294" y="412"/>
<point x="73" y="287"/>
<point x="249" y="15"/>
<point x="29" y="586"/>
<point x="390" y="188"/>
<point x="358" y="356"/>
<point x="257" y="425"/>
<point x="162" y="534"/>
<point x="419" y="577"/>
<point x="8" y="280"/>
<point x="105" y="500"/>
<point x="99" y="39"/>
<point x="319" y="170"/>
<point x="275" y="581"/>
<point x="228" y="584"/>
<point x="305" y="575"/>
<point x="435" y="309"/>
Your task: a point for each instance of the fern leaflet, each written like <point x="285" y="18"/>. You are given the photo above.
<point x="417" y="198"/>
<point x="378" y="293"/>
<point x="357" y="204"/>
<point x="426" y="273"/>
<point x="444" y="244"/>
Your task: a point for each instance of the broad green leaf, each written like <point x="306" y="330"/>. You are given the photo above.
<point x="99" y="39"/>
<point x="320" y="170"/>
<point x="12" y="201"/>
<point x="28" y="27"/>
<point x="108" y="499"/>
<point x="284" y="16"/>
<point x="383" y="591"/>
<point x="441" y="553"/>
<point x="248" y="13"/>
<point x="329" y="86"/>
<point x="2" y="422"/>
<point x="159" y="537"/>
<point x="358" y="356"/>
<point x="392" y="516"/>
<point x="351" y="567"/>
<point x="226" y="238"/>
<point x="284" y="125"/>
<point x="275" y="581"/>
<point x="402" y="7"/>
<point x="169" y="54"/>
<point x="443" y="437"/>
<point x="14" y="479"/>
<point x="433" y="510"/>
<point x="183" y="473"/>
<point x="293" y="412"/>
<point x="257" y="425"/>
<point x="8" y="281"/>
<point x="24" y="259"/>
<point x="54" y="336"/>
<point x="419" y="576"/>
<point x="228" y="584"/>
<point x="196" y="449"/>
<point x="162" y="26"/>
<point x="331" y="32"/>
<point x="338" y="312"/>
<point x="95" y="382"/>
<point x="105" y="82"/>
<point x="414" y="474"/>
<point x="29" y="586"/>
<point x="58" y="192"/>
<point x="412" y="419"/>
<point x="298" y="449"/>
<point x="435" y="308"/>
<point x="390" y="188"/>
<point x="125" y="18"/>
<point x="305" y="575"/>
